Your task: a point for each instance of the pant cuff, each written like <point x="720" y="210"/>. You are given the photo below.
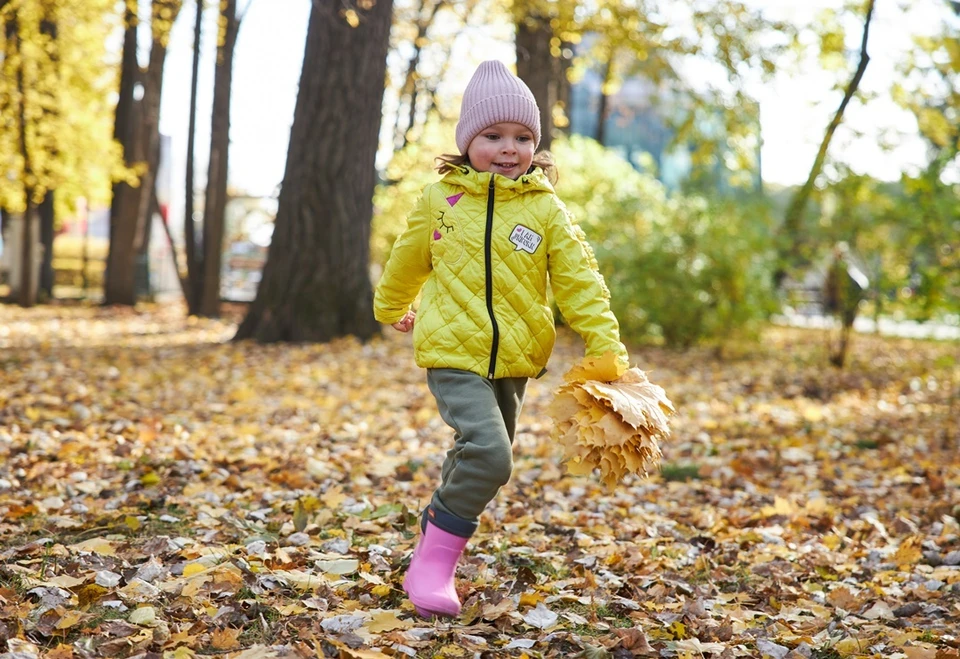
<point x="458" y="526"/>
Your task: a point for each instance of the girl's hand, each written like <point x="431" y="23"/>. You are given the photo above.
<point x="405" y="324"/>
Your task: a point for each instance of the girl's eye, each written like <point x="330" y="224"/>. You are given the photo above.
<point x="523" y="138"/>
<point x="492" y="136"/>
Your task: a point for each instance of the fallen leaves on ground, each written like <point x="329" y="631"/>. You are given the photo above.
<point x="167" y="493"/>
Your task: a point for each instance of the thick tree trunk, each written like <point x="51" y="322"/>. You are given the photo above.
<point x="47" y="224"/>
<point x="216" y="197"/>
<point x="316" y="283"/>
<point x="118" y="280"/>
<point x="790" y="238"/>
<point x="27" y="295"/>
<point x="537" y="67"/>
<point x="194" y="278"/>
<point x="128" y="228"/>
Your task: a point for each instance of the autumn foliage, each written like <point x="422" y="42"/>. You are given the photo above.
<point x="165" y="492"/>
<point x="610" y="419"/>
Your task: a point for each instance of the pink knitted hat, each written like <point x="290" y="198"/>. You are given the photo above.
<point x="492" y="96"/>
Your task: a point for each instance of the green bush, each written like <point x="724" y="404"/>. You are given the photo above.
<point x="681" y="268"/>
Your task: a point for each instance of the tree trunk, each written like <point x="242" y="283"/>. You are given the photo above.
<point x="127" y="229"/>
<point x="194" y="279"/>
<point x="27" y="296"/>
<point x="537" y="67"/>
<point x="118" y="278"/>
<point x="147" y="146"/>
<point x="604" y="102"/>
<point x="316" y="283"/>
<point x="216" y="197"/>
<point x="48" y="27"/>
<point x="790" y="239"/>
<point x="47" y="224"/>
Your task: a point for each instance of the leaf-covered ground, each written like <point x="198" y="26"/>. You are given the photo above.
<point x="164" y="492"/>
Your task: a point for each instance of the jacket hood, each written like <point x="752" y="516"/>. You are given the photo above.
<point x="475" y="182"/>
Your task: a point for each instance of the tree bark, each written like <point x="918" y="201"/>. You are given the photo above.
<point x="216" y="197"/>
<point x="316" y="282"/>
<point x="48" y="27"/>
<point x="118" y="278"/>
<point x="128" y="228"/>
<point x="537" y="67"/>
<point x="604" y="102"/>
<point x="27" y="295"/>
<point x="791" y="243"/>
<point x="47" y="226"/>
<point x="194" y="278"/>
<point x="148" y="140"/>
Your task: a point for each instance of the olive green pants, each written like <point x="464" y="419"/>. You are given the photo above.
<point x="483" y="414"/>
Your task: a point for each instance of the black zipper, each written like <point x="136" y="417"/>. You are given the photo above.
<point x="488" y="257"/>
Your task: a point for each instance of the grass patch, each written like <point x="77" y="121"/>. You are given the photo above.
<point x="261" y="629"/>
<point x="867" y="444"/>
<point x="99" y="614"/>
<point x="680" y="472"/>
<point x="14" y="582"/>
<point x="611" y="615"/>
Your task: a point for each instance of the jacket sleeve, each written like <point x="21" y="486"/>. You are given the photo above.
<point x="579" y="288"/>
<point x="407" y="268"/>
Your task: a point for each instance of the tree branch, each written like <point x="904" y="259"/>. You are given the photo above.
<point x="798" y="204"/>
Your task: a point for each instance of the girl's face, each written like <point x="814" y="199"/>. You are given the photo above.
<point x="504" y="148"/>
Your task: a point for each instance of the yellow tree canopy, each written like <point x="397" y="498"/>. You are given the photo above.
<point x="58" y="79"/>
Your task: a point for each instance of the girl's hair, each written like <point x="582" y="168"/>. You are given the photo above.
<point x="544" y="160"/>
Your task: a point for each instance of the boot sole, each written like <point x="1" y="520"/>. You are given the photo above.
<point x="424" y="613"/>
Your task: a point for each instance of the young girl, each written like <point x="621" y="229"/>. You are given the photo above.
<point x="481" y="243"/>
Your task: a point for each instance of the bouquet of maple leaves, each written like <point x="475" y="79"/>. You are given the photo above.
<point x="610" y="418"/>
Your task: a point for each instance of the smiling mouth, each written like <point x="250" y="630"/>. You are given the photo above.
<point x="506" y="165"/>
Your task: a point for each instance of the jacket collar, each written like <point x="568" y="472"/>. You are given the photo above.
<point x="475" y="182"/>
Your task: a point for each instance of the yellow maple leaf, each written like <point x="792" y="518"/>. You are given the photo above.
<point x="194" y="585"/>
<point x="225" y="639"/>
<point x="387" y="621"/>
<point x="62" y="651"/>
<point x="333" y="497"/>
<point x="99" y="546"/>
<point x="909" y="551"/>
<point x="530" y="599"/>
<point x="606" y="368"/>
<point x="69" y="619"/>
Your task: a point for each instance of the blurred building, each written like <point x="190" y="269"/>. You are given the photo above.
<point x="635" y="127"/>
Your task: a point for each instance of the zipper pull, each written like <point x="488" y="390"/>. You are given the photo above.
<point x="492" y="176"/>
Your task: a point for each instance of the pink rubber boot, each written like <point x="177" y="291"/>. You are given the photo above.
<point x="429" y="582"/>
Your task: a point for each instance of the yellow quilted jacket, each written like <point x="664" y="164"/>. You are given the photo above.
<point x="482" y="246"/>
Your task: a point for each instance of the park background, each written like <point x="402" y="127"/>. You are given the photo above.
<point x="210" y="447"/>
